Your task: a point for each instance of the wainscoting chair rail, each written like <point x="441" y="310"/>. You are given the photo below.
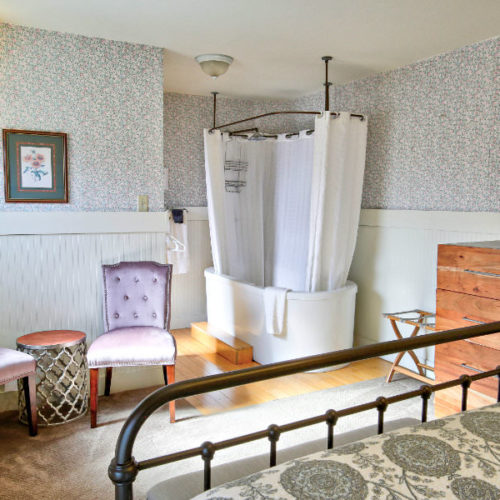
<point x="123" y="468"/>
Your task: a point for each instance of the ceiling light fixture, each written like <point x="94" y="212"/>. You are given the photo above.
<point x="214" y="65"/>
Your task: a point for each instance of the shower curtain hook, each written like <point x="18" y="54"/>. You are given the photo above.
<point x="327" y="84"/>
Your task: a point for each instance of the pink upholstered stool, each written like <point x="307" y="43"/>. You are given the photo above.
<point x="16" y="365"/>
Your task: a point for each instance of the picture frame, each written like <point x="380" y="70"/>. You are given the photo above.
<point x="35" y="166"/>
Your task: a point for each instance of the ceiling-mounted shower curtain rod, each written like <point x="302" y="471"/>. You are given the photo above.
<point x="327" y="84"/>
<point x="334" y="113"/>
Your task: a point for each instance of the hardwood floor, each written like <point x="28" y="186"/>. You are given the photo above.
<point x="195" y="360"/>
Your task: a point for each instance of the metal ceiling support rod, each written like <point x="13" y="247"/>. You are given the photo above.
<point x="215" y="106"/>
<point x="327" y="84"/>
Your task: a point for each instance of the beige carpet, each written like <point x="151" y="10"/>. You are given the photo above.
<point x="70" y="461"/>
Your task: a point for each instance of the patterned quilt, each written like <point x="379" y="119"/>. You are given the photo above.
<point x="456" y="457"/>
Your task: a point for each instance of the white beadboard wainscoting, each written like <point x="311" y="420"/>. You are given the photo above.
<point x="395" y="265"/>
<point x="50" y="265"/>
<point x="51" y="279"/>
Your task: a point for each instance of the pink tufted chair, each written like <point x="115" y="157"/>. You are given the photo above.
<point x="137" y="320"/>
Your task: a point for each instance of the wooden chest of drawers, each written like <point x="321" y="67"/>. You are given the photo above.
<point x="468" y="293"/>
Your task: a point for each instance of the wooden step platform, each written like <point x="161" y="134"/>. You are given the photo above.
<point x="227" y="346"/>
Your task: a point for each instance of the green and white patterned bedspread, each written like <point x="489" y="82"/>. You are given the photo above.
<point x="456" y="457"/>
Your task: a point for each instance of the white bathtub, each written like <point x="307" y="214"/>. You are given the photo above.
<point x="315" y="323"/>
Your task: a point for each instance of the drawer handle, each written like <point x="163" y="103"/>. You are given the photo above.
<point x="465" y="318"/>
<point x="472" y="368"/>
<point x="481" y="273"/>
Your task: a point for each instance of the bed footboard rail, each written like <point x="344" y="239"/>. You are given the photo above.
<point x="123" y="468"/>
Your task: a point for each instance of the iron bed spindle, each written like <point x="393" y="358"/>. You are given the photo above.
<point x="426" y="394"/>
<point x="382" y="404"/>
<point x="207" y="453"/>
<point x="273" y="434"/>
<point x="465" y="382"/>
<point x="331" y="419"/>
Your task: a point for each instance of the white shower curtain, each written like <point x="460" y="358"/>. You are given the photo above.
<point x="339" y="164"/>
<point x="234" y="172"/>
<point x="287" y="195"/>
<point x="284" y="212"/>
<point x="214" y="171"/>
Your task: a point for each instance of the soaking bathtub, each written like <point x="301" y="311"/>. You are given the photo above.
<point x="315" y="322"/>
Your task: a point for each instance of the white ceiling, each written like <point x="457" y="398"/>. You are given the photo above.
<point x="276" y="44"/>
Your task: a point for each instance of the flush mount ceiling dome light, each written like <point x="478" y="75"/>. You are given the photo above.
<point x="214" y="65"/>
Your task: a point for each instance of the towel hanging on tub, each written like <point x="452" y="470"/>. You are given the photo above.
<point x="275" y="309"/>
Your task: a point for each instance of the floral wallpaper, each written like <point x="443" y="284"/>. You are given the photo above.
<point x="107" y="96"/>
<point x="185" y="118"/>
<point x="431" y="134"/>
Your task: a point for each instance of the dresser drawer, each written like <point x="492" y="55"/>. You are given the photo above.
<point x="469" y="282"/>
<point x="475" y="271"/>
<point x="456" y="310"/>
<point x="474" y="259"/>
<point x="465" y="358"/>
<point x="468" y="293"/>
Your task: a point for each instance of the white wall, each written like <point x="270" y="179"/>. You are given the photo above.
<point x="50" y="268"/>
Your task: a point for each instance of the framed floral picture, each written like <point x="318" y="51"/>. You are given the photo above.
<point x="35" y="166"/>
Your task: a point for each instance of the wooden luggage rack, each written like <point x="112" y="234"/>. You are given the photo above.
<point x="422" y="322"/>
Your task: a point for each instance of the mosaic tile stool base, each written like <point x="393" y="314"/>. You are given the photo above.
<point x="61" y="373"/>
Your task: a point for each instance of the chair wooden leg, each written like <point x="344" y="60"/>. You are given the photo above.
<point x="29" y="386"/>
<point x="94" y="385"/>
<point x="107" y="386"/>
<point x="169" y="377"/>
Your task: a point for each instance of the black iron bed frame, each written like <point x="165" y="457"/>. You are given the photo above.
<point x="123" y="468"/>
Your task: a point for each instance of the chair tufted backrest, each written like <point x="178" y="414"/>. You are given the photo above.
<point x="137" y="294"/>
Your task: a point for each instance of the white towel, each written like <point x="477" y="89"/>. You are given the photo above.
<point x="274" y="306"/>
<point x="178" y="248"/>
